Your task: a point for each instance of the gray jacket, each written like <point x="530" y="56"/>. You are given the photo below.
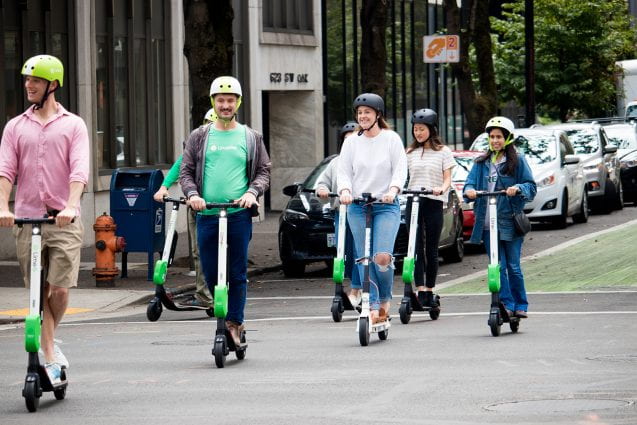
<point x="192" y="164"/>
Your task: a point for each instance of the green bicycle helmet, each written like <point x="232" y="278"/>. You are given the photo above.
<point x="46" y="67"/>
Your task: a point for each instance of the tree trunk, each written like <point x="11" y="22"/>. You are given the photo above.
<point x="478" y="105"/>
<point x="208" y="47"/>
<point x="373" y="59"/>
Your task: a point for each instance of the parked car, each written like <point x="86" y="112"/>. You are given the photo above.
<point x="601" y="165"/>
<point x="465" y="160"/>
<point x="306" y="227"/>
<point x="624" y="136"/>
<point x="561" y="184"/>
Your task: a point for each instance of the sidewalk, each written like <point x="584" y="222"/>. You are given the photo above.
<point x="263" y="256"/>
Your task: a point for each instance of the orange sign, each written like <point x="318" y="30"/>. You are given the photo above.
<point x="441" y="48"/>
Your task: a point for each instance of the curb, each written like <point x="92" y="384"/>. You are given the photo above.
<point x="145" y="298"/>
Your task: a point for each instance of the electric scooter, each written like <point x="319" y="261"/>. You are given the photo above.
<point x="364" y="324"/>
<point x="498" y="313"/>
<point x="341" y="301"/>
<point x="410" y="300"/>
<point x="169" y="298"/>
<point x="37" y="380"/>
<point x="223" y="342"/>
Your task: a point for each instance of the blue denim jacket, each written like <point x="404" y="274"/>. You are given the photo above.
<point x="478" y="180"/>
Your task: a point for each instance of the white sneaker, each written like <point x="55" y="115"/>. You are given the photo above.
<point x="60" y="358"/>
<point x="54" y="371"/>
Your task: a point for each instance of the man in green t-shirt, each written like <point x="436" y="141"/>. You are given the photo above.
<point x="225" y="162"/>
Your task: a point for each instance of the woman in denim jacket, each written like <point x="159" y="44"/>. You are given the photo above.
<point x="503" y="168"/>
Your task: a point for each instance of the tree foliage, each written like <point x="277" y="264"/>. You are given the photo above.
<point x="208" y="46"/>
<point x="576" y="45"/>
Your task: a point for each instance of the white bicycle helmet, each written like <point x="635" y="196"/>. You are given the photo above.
<point x="500" y="122"/>
<point x="226" y="85"/>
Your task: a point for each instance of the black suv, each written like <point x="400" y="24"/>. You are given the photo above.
<point x="306" y="227"/>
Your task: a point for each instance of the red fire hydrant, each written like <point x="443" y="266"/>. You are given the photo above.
<point x="106" y="245"/>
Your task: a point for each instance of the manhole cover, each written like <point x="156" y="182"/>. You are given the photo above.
<point x="557" y="405"/>
<point x="618" y="358"/>
<point x="184" y="343"/>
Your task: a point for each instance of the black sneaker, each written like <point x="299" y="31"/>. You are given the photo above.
<point x="430" y="300"/>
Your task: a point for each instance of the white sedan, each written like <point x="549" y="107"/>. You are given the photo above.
<point x="561" y="184"/>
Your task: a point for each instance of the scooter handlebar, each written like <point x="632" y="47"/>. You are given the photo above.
<point x="480" y="193"/>
<point x="330" y="194"/>
<point x="181" y="200"/>
<point x="422" y="191"/>
<point x="366" y="198"/>
<point x="254" y="209"/>
<point x="42" y="220"/>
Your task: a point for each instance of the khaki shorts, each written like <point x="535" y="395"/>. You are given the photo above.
<point x="60" y="252"/>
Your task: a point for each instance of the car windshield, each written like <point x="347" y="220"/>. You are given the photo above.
<point x="584" y="141"/>
<point x="537" y="148"/>
<point x="310" y="181"/>
<point x="631" y="111"/>
<point x="461" y="172"/>
<point x="623" y="138"/>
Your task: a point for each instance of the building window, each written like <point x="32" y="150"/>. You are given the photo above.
<point x="292" y="16"/>
<point x="29" y="28"/>
<point x="132" y="99"/>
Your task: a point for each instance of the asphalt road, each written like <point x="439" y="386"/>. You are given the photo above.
<point x="574" y="361"/>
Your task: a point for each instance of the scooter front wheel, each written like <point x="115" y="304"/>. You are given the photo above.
<point x="153" y="311"/>
<point x="337" y="310"/>
<point x="363" y="331"/>
<point x="31" y="395"/>
<point x="219" y="351"/>
<point x="405" y="312"/>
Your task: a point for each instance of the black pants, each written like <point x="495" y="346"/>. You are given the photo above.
<point x="427" y="240"/>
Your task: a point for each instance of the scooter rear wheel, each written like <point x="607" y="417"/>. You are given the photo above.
<point x="363" y="331"/>
<point x="60" y="393"/>
<point x="31" y="397"/>
<point x="337" y="310"/>
<point x="515" y="325"/>
<point x="495" y="324"/>
<point x="382" y="335"/>
<point x="153" y="311"/>
<point x="241" y="352"/>
<point x="434" y="313"/>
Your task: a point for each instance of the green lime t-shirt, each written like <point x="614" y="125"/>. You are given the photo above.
<point x="225" y="178"/>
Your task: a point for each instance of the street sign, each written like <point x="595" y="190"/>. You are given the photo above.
<point x="441" y="48"/>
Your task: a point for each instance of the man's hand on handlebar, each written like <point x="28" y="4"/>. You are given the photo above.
<point x="197" y="203"/>
<point x="6" y="218"/>
<point x="346" y="197"/>
<point x="322" y="193"/>
<point x="247" y="200"/>
<point x="65" y="217"/>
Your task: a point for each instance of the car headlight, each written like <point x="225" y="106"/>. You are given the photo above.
<point x="547" y="181"/>
<point x="291" y="215"/>
<point x="628" y="164"/>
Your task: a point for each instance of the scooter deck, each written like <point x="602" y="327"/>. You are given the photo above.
<point x="45" y="382"/>
<point x="416" y="306"/>
<point x="505" y="316"/>
<point x="381" y="326"/>
<point x="168" y="299"/>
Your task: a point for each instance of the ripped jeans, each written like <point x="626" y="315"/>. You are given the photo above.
<point x="385" y="223"/>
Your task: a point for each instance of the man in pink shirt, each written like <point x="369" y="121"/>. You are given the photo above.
<point x="45" y="151"/>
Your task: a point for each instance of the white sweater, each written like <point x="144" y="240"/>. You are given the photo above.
<point x="372" y="164"/>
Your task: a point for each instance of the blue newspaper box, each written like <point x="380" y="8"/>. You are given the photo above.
<point x="139" y="218"/>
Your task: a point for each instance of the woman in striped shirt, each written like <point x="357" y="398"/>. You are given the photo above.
<point x="430" y="163"/>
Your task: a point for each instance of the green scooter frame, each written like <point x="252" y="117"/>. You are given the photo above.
<point x="37" y="380"/>
<point x="410" y="302"/>
<point x="497" y="313"/>
<point x="169" y="298"/>
<point x="223" y="342"/>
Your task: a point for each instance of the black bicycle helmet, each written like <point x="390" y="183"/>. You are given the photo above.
<point x="425" y="116"/>
<point x="372" y="100"/>
<point x="348" y="127"/>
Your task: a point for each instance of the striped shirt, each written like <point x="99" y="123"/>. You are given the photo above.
<point x="426" y="169"/>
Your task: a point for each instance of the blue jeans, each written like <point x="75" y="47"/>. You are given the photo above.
<point x="239" y="235"/>
<point x="385" y="223"/>
<point x="512" y="291"/>
<point x="350" y="258"/>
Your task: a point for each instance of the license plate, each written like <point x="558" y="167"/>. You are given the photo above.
<point x="331" y="240"/>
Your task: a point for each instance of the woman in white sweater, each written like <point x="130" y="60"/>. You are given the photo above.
<point x="373" y="160"/>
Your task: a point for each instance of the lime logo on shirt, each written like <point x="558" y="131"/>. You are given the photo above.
<point x="223" y="148"/>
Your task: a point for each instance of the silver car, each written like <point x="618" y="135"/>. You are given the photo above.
<point x="561" y="184"/>
<point x="601" y="165"/>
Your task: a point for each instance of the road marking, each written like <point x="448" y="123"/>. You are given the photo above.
<point x="23" y="312"/>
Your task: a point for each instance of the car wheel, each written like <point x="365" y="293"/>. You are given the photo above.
<point x="607" y="202"/>
<point x="293" y="268"/>
<point x="560" y="221"/>
<point x="582" y="215"/>
<point x="619" y="196"/>
<point x="455" y="253"/>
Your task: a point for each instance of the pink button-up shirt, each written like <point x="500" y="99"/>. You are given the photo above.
<point x="44" y="159"/>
